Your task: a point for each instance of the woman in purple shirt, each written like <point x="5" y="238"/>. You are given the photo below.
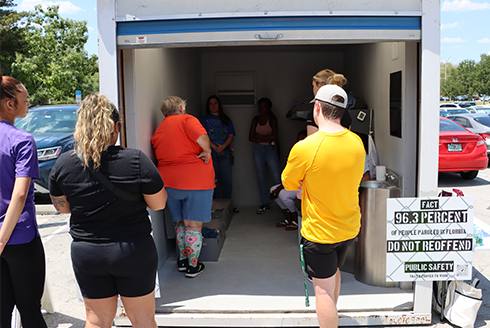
<point x="22" y="261"/>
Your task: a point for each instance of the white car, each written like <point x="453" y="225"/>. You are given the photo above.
<point x="449" y="105"/>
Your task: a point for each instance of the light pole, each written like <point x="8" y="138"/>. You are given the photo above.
<point x="445" y="72"/>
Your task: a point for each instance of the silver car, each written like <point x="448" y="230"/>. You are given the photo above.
<point x="454" y="111"/>
<point x="476" y="123"/>
<point x="479" y="109"/>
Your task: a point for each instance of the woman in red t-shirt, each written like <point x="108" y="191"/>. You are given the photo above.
<point x="183" y="152"/>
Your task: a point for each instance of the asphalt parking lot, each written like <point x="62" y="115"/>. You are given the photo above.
<point x="69" y="311"/>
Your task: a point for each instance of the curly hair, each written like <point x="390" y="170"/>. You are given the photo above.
<point x="94" y="130"/>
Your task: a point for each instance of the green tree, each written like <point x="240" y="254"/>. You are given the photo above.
<point x="447" y="71"/>
<point x="55" y="63"/>
<point x="462" y="81"/>
<point x="482" y="75"/>
<point x="11" y="35"/>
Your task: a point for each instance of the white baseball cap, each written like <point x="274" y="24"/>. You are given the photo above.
<point x="328" y="91"/>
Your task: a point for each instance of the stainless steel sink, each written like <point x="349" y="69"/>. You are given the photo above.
<point x="374" y="184"/>
<point x="371" y="246"/>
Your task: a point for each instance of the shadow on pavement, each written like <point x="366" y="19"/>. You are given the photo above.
<point x="59" y="320"/>
<point x="455" y="180"/>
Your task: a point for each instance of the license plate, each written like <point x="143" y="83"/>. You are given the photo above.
<point x="454" y="147"/>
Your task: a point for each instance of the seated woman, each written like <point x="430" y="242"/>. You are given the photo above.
<point x="285" y="199"/>
<point x="113" y="253"/>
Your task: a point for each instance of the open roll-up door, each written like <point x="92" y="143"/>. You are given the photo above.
<point x="267" y="30"/>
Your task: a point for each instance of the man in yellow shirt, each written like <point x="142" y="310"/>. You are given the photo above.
<point x="329" y="165"/>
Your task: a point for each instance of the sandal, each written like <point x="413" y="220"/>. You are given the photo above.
<point x="293" y="225"/>
<point x="283" y="223"/>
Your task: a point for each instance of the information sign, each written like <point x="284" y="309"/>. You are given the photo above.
<point x="78" y="96"/>
<point x="429" y="239"/>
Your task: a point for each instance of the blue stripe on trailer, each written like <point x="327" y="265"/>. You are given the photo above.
<point x="269" y="23"/>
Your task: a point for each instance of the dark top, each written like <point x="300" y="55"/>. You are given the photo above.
<point x="98" y="215"/>
<point x="346" y="121"/>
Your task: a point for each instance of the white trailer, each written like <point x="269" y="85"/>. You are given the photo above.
<point x="245" y="50"/>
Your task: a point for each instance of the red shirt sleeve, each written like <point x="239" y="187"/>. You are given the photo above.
<point x="193" y="128"/>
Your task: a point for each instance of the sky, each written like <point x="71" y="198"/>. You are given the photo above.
<point x="465" y="33"/>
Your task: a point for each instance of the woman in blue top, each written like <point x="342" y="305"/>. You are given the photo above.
<point x="22" y="261"/>
<point x="221" y="133"/>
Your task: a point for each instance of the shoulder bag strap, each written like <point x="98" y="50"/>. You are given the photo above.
<point x="111" y="187"/>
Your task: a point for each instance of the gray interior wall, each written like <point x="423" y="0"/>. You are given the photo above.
<point x="151" y="75"/>
<point x="181" y="77"/>
<point x="370" y="65"/>
<point x="283" y="76"/>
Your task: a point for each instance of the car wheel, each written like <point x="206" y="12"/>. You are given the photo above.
<point x="469" y="175"/>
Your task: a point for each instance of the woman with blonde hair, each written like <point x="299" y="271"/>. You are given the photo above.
<point x="107" y="189"/>
<point x="22" y="260"/>
<point x="324" y="77"/>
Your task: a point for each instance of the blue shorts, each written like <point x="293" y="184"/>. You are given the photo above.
<point x="192" y="205"/>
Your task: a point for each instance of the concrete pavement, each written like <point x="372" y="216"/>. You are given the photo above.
<point x="69" y="311"/>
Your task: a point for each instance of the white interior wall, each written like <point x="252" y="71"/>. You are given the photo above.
<point x="283" y="76"/>
<point x="372" y="64"/>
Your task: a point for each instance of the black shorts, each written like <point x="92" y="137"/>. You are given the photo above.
<point x="127" y="268"/>
<point x="322" y="260"/>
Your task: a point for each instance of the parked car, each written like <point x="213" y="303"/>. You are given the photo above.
<point x="481" y="109"/>
<point x="476" y="123"/>
<point x="449" y="105"/>
<point x="444" y="113"/>
<point x="460" y="150"/>
<point x="453" y="111"/>
<point x="461" y="98"/>
<point x="465" y="104"/>
<point x="52" y="127"/>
